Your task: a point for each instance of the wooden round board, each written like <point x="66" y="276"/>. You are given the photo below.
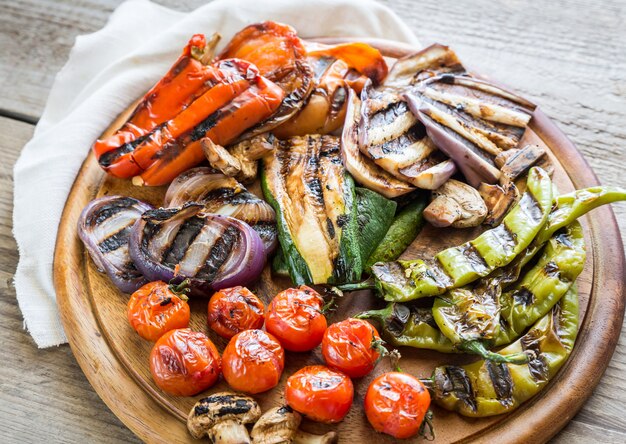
<point x="115" y="359"/>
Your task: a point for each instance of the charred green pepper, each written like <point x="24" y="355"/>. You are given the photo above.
<point x="404" y="229"/>
<point x="375" y="216"/>
<point x="458" y="266"/>
<point x="487" y="388"/>
<point x="410" y="326"/>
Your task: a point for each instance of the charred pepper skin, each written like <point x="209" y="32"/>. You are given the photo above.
<point x="404" y="325"/>
<point x="456" y="267"/>
<point x="486" y="388"/>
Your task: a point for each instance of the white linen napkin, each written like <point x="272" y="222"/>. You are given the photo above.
<point x="105" y="72"/>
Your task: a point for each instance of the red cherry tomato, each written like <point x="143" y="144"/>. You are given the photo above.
<point x="295" y="317"/>
<point x="233" y="310"/>
<point x="155" y="309"/>
<point x="253" y="361"/>
<point x="351" y="346"/>
<point x="396" y="404"/>
<point x="184" y="362"/>
<point x="320" y="393"/>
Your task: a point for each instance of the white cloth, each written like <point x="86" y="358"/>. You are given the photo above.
<point x="107" y="70"/>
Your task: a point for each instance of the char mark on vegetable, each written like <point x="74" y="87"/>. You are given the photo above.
<point x="185" y="236"/>
<point x="453" y="380"/>
<point x="108" y="210"/>
<point x="219" y="253"/>
<point x="116" y="240"/>
<point x="537" y="365"/>
<point x="524" y="296"/>
<point x="502" y="382"/>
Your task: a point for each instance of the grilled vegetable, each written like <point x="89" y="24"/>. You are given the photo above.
<point x="319" y="393"/>
<point x="404" y="229"/>
<point x="543" y="285"/>
<point x="233" y="310"/>
<point x="184" y="362"/>
<point x="486" y="388"/>
<point x="411" y="326"/>
<point x="253" y="361"/>
<point x="518" y="161"/>
<point x="470" y="120"/>
<point x="498" y="200"/>
<point x="280" y="56"/>
<point x="397" y="404"/>
<point x="224" y="196"/>
<point x="315" y="203"/>
<point x="375" y="215"/>
<point x="212" y="251"/>
<point x="363" y="169"/>
<point x="280" y="425"/>
<point x="456" y="204"/>
<point x="104" y="227"/>
<point x="459" y="266"/>
<point x="231" y="98"/>
<point x="157" y="308"/>
<point x="223" y="417"/>
<point x="393" y="138"/>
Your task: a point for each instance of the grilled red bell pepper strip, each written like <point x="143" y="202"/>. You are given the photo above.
<point x="222" y="126"/>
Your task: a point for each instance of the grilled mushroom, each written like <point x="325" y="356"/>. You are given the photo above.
<point x="499" y="199"/>
<point x="222" y="417"/>
<point x="456" y="204"/>
<point x="279" y="425"/>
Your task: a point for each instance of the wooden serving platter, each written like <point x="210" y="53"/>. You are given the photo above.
<point x="115" y="359"/>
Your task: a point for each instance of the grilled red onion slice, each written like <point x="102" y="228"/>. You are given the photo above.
<point x="104" y="226"/>
<point x="212" y="251"/>
<point x="225" y="196"/>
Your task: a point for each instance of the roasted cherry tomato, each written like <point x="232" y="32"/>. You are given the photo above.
<point x="233" y="310"/>
<point x="320" y="393"/>
<point x="184" y="362"/>
<point x="295" y="317"/>
<point x="352" y="346"/>
<point x="157" y="308"/>
<point x="396" y="404"/>
<point x="253" y="361"/>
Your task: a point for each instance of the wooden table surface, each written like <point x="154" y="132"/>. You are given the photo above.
<point x="567" y="56"/>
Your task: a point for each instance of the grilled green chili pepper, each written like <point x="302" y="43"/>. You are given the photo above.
<point x="541" y="287"/>
<point x="458" y="266"/>
<point x="407" y="325"/>
<point x="475" y="319"/>
<point x="487" y="388"/>
<point x="404" y="229"/>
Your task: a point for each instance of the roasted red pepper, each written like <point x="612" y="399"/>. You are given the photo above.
<point x="192" y="101"/>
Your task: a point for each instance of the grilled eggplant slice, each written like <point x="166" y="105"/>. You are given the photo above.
<point x="470" y="120"/>
<point x="224" y="196"/>
<point x="315" y="203"/>
<point x="363" y="169"/>
<point x="432" y="61"/>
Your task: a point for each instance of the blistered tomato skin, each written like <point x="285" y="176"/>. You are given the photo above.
<point x="320" y="393"/>
<point x="396" y="404"/>
<point x="184" y="362"/>
<point x="155" y="309"/>
<point x="295" y="317"/>
<point x="253" y="361"/>
<point x="233" y="310"/>
<point x="351" y="346"/>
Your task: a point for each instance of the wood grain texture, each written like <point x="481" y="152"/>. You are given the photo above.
<point x="568" y="56"/>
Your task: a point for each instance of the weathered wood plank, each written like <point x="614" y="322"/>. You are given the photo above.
<point x="565" y="55"/>
<point x="44" y="395"/>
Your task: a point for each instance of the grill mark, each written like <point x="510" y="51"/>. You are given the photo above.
<point x="436" y="271"/>
<point x="552" y="270"/>
<point x="229" y="404"/>
<point x="186" y="234"/>
<point x="330" y="228"/>
<point x="424" y="316"/>
<point x="219" y="253"/>
<point x="454" y="380"/>
<point x="530" y="206"/>
<point x="537" y="366"/>
<point x="524" y="296"/>
<point x="502" y="382"/>
<point x="110" y="209"/>
<point x="474" y="258"/>
<point x="108" y="158"/>
<point x="507" y="240"/>
<point x="396" y="323"/>
<point x="564" y="239"/>
<point x="200" y="130"/>
<point x="389" y="114"/>
<point x="116" y="240"/>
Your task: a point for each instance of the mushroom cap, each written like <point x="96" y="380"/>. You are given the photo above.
<point x="277" y="425"/>
<point x="221" y="407"/>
